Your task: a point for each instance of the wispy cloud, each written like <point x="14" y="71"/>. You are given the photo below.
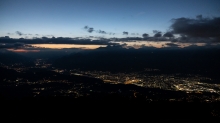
<point x="19" y="33"/>
<point x="91" y="29"/>
<point x="125" y="33"/>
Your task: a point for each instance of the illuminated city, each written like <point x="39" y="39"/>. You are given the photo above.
<point x="174" y="82"/>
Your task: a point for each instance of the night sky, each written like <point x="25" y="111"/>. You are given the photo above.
<point x="68" y="17"/>
<point x="107" y="18"/>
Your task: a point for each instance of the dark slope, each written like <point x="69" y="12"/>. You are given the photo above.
<point x="9" y="58"/>
<point x="136" y="60"/>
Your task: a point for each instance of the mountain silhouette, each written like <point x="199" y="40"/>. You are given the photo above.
<point x="188" y="61"/>
<point x="9" y="58"/>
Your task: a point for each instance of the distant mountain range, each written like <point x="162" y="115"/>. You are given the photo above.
<point x="136" y="60"/>
<point x="9" y="58"/>
<point x="204" y="61"/>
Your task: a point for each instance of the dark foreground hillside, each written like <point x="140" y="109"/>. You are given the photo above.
<point x="41" y="95"/>
<point x="109" y="108"/>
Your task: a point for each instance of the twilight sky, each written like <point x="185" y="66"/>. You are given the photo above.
<point x="33" y="25"/>
<point x="67" y="18"/>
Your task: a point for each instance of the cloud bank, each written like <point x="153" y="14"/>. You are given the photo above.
<point x="199" y="28"/>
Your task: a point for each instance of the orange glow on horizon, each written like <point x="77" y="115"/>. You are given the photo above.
<point x="22" y="50"/>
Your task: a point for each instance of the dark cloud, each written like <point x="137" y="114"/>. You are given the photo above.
<point x="26" y="37"/>
<point x="15" y="45"/>
<point x="125" y="33"/>
<point x="58" y="40"/>
<point x="111" y="33"/>
<point x="37" y="34"/>
<point x="199" y="16"/>
<point x="155" y="31"/>
<point x="18" y="44"/>
<point x="90" y="30"/>
<point x="50" y="35"/>
<point x="129" y="39"/>
<point x="45" y="38"/>
<point x="86" y="27"/>
<point x="197" y="28"/>
<point x="172" y="45"/>
<point x="158" y="34"/>
<point x="6" y="37"/>
<point x="6" y="46"/>
<point x="168" y="34"/>
<point x="145" y="35"/>
<point x="19" y="33"/>
<point x="183" y="37"/>
<point x="134" y="34"/>
<point x="102" y="32"/>
<point x="186" y="39"/>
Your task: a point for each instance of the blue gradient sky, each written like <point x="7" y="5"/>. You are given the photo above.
<point x="66" y="18"/>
